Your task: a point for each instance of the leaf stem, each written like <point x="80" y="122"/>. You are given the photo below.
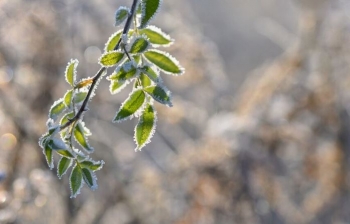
<point x="102" y="70"/>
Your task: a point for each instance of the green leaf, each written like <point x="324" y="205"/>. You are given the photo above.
<point x="120" y="15"/>
<point x="137" y="58"/>
<point x="89" y="178"/>
<point x="111" y="58"/>
<point x="145" y="81"/>
<point x="156" y="36"/>
<point x="71" y="71"/>
<point x="164" y="62"/>
<point x="152" y="73"/>
<point x="64" y="120"/>
<point x="56" y="109"/>
<point x="125" y="72"/>
<point x="76" y="181"/>
<point x="63" y="166"/>
<point x="113" y="41"/>
<point x="81" y="138"/>
<point x="145" y="127"/>
<point x="65" y="153"/>
<point x="130" y="106"/>
<point x="68" y="98"/>
<point x="159" y="94"/>
<point x="92" y="165"/>
<point x="60" y="147"/>
<point x="80" y="96"/>
<point x="117" y="86"/>
<point x="139" y="45"/>
<point x="49" y="156"/>
<point x="149" y="9"/>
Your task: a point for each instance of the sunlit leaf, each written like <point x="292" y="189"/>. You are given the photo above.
<point x="145" y="81"/>
<point x="84" y="83"/>
<point x="64" y="120"/>
<point x="149" y="9"/>
<point x="71" y="71"/>
<point x="49" y="156"/>
<point x="113" y="41"/>
<point x="76" y="181"/>
<point x="139" y="45"/>
<point x="63" y="166"/>
<point x="121" y="14"/>
<point x="92" y="165"/>
<point x="80" y="96"/>
<point x="156" y="36"/>
<point x="81" y="138"/>
<point x="125" y="72"/>
<point x="164" y="62"/>
<point x="117" y="86"/>
<point x="159" y="94"/>
<point x="152" y="72"/>
<point x="89" y="178"/>
<point x="145" y="127"/>
<point x="111" y="58"/>
<point x="68" y="98"/>
<point x="60" y="147"/>
<point x="56" y="109"/>
<point x="130" y="106"/>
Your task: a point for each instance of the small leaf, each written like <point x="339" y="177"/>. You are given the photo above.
<point x="68" y="98"/>
<point x="65" y="153"/>
<point x="76" y="181"/>
<point x="113" y="41"/>
<point x="71" y="71"/>
<point x="64" y="120"/>
<point x="92" y="165"/>
<point x="60" y="147"/>
<point x="81" y="138"/>
<point x="152" y="73"/>
<point x="137" y="58"/>
<point x="145" y="81"/>
<point x="117" y="86"/>
<point x="89" y="178"/>
<point x="139" y="45"/>
<point x="49" y="156"/>
<point x="63" y="166"/>
<point x="156" y="36"/>
<point x="125" y="72"/>
<point x="56" y="109"/>
<point x="80" y="96"/>
<point x="111" y="58"/>
<point x="149" y="9"/>
<point x="160" y="94"/>
<point x="83" y="83"/>
<point x="164" y="62"/>
<point x="130" y="105"/>
<point x="145" y="127"/>
<point x="120" y="15"/>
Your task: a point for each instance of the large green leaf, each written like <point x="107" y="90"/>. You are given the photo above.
<point x="156" y="36"/>
<point x="159" y="94"/>
<point x="80" y="137"/>
<point x="125" y="72"/>
<point x="71" y="71"/>
<point x="111" y="58"/>
<point x="164" y="62"/>
<point x="120" y="15"/>
<point x="56" y="109"/>
<point x="149" y="9"/>
<point x="89" y="178"/>
<point x="92" y="165"/>
<point x="63" y="166"/>
<point x="76" y="181"/>
<point x="130" y="105"/>
<point x="145" y="127"/>
<point x="139" y="45"/>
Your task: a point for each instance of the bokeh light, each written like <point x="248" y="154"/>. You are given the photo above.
<point x="8" y="141"/>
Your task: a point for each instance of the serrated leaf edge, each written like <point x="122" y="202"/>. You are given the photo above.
<point x="118" y="11"/>
<point x="162" y="33"/>
<point x="143" y="8"/>
<point x="172" y="58"/>
<point x="76" y="63"/>
<point x="58" y="165"/>
<point x="139" y="147"/>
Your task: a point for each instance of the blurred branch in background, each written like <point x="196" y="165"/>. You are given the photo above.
<point x="277" y="152"/>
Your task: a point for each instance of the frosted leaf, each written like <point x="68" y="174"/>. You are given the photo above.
<point x="156" y="36"/>
<point x="139" y="45"/>
<point x="79" y="97"/>
<point x="81" y="138"/>
<point x="131" y="106"/>
<point x="149" y="10"/>
<point x="111" y="58"/>
<point x="71" y="71"/>
<point x="92" y="165"/>
<point x="160" y="94"/>
<point x="56" y="109"/>
<point x="152" y="72"/>
<point x="145" y="128"/>
<point x="164" y="62"/>
<point x="63" y="166"/>
<point x="121" y="14"/>
<point x="68" y="98"/>
<point x="117" y="86"/>
<point x="89" y="178"/>
<point x="113" y="41"/>
<point x="125" y="72"/>
<point x="83" y="83"/>
<point x="48" y="156"/>
<point x="76" y="181"/>
<point x="64" y="120"/>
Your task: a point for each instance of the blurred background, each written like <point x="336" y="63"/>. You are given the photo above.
<point x="259" y="131"/>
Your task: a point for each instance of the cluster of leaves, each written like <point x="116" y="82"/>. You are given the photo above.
<point x="132" y="52"/>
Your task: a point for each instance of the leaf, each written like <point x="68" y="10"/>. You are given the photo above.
<point x="56" y="109"/>
<point x="71" y="71"/>
<point x="130" y="105"/>
<point x="152" y="73"/>
<point x="113" y="41"/>
<point x="139" y="45"/>
<point x="149" y="9"/>
<point x="49" y="156"/>
<point x="63" y="166"/>
<point x="84" y="83"/>
<point x="60" y="147"/>
<point x="92" y="165"/>
<point x="64" y="120"/>
<point x="145" y="81"/>
<point x="89" y="178"/>
<point x="81" y="138"/>
<point x="120" y="15"/>
<point x="145" y="127"/>
<point x="68" y="98"/>
<point x="164" y="62"/>
<point x="156" y="36"/>
<point x="159" y="94"/>
<point x="76" y="181"/>
<point x="125" y="72"/>
<point x="111" y="58"/>
<point x="117" y="86"/>
<point x="137" y="58"/>
<point x="80" y="96"/>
